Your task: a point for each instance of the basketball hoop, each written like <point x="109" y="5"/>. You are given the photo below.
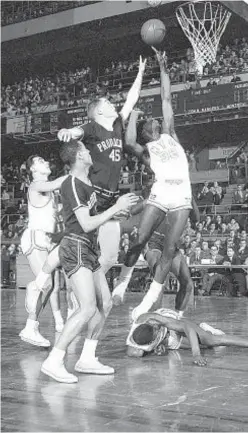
<point x="203" y="22"/>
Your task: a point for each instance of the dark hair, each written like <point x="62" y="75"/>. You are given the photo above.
<point x="143" y="334"/>
<point x="91" y="107"/>
<point x="30" y="162"/>
<point x="68" y="151"/>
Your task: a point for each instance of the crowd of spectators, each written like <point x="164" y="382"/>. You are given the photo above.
<point x="73" y="88"/>
<point x="17" y="11"/>
<point x="219" y="243"/>
<point x="210" y="194"/>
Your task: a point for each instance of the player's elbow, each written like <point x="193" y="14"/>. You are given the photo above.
<point x="86" y="226"/>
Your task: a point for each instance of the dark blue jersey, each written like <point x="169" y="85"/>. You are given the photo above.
<point x="76" y="194"/>
<point x="106" y="149"/>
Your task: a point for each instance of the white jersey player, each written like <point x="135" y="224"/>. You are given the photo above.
<point x="36" y="240"/>
<point x="164" y="329"/>
<point x="171" y="190"/>
<point x="170" y="195"/>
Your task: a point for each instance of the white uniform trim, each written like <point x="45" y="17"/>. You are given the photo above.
<point x="79" y="204"/>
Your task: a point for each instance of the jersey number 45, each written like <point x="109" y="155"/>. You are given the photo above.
<point x="115" y="155"/>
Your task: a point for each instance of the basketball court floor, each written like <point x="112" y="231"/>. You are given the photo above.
<point x="152" y="394"/>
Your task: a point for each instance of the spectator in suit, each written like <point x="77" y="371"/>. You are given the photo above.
<point x="215" y="257"/>
<point x="209" y="199"/>
<point x="212" y="230"/>
<point x="223" y="229"/>
<point x="230" y="243"/>
<point x="201" y="195"/>
<point x="198" y="238"/>
<point x="192" y="248"/>
<point x="186" y="244"/>
<point x="207" y="223"/>
<point x="122" y="254"/>
<point x="243" y="235"/>
<point x="239" y="195"/>
<point x="242" y="250"/>
<point x="196" y="256"/>
<point x="199" y="226"/>
<point x="211" y="276"/>
<point x="235" y="276"/>
<point x="205" y="250"/>
<point x="218" y="222"/>
<point x="221" y="248"/>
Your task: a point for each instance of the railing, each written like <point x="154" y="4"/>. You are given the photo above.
<point x="9" y="219"/>
<point x="226" y="209"/>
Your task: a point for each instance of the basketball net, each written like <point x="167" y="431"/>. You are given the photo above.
<point x="203" y="23"/>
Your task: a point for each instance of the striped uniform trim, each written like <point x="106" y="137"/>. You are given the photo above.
<point x="105" y="192"/>
<point x="79" y="204"/>
<point x="166" y="209"/>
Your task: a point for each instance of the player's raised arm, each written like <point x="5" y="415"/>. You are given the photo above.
<point x="134" y="92"/>
<point x="131" y="139"/>
<point x="46" y="186"/>
<point x="168" y="115"/>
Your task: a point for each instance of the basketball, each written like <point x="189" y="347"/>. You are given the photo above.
<point x="153" y="32"/>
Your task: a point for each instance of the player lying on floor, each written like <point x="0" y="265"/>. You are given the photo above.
<point x="163" y="330"/>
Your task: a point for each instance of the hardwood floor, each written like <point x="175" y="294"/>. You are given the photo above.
<point x="151" y="394"/>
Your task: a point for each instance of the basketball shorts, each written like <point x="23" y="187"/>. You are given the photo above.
<point x="75" y="252"/>
<point x="36" y="240"/>
<point x="171" y="196"/>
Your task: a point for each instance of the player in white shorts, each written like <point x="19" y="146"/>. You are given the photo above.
<point x="164" y="330"/>
<point x="170" y="194"/>
<point x="36" y="242"/>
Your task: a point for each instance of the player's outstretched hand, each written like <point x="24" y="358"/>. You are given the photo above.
<point x="142" y="65"/>
<point x="200" y="361"/>
<point x="65" y="135"/>
<point x="126" y="201"/>
<point x="161" y="56"/>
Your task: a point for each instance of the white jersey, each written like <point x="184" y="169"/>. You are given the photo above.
<point x="168" y="160"/>
<point x="42" y="217"/>
<point x="174" y="339"/>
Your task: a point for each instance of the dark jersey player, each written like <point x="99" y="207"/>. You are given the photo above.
<point x="103" y="137"/>
<point x="79" y="259"/>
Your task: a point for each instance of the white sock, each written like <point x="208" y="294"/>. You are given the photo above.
<point x="89" y="349"/>
<point x="57" y="354"/>
<point x="57" y="316"/>
<point x="31" y="324"/>
<point x="41" y="279"/>
<point x="123" y="280"/>
<point x="152" y="295"/>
